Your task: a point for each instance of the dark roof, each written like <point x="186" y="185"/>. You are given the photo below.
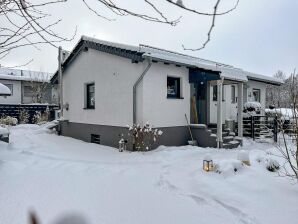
<point x="139" y="53"/>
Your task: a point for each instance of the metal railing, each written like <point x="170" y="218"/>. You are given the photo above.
<point x="260" y="127"/>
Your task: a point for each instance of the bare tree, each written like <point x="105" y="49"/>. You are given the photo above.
<point x="39" y="87"/>
<point x="274" y="93"/>
<point x="288" y="147"/>
<point x="26" y="22"/>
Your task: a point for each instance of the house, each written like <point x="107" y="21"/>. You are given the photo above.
<point x="107" y="86"/>
<point x="27" y="87"/>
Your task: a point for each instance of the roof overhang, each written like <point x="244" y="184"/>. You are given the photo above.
<point x="267" y="81"/>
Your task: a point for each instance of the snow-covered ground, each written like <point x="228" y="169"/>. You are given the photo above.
<point x="64" y="179"/>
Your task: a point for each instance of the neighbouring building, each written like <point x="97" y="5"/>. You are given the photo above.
<point x="28" y="87"/>
<point x="107" y="86"/>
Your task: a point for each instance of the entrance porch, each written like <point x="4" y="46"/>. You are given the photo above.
<point x="216" y="98"/>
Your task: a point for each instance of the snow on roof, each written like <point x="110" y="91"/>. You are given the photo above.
<point x="24" y="75"/>
<point x="226" y="71"/>
<point x="112" y="44"/>
<point x="264" y="78"/>
<point x="4" y="90"/>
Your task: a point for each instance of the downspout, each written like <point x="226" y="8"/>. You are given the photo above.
<point x="135" y="90"/>
<point x="219" y="112"/>
<point x="60" y="80"/>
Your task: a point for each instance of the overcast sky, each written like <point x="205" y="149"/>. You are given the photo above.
<point x="259" y="36"/>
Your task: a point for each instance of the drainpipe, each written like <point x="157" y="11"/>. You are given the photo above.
<point x="60" y="80"/>
<point x="135" y="90"/>
<point x="219" y="112"/>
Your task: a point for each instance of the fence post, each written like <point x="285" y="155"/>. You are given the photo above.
<point x="275" y="129"/>
<point x="253" y="127"/>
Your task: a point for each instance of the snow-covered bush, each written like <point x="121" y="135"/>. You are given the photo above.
<point x="228" y="167"/>
<point x="243" y="156"/>
<point x="260" y="159"/>
<point x="252" y="106"/>
<point x="24" y="116"/>
<point x="143" y="137"/>
<point x="8" y="120"/>
<point x="272" y="165"/>
<point x="40" y="118"/>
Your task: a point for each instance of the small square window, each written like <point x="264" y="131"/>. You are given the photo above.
<point x="256" y="95"/>
<point x="90" y="96"/>
<point x="95" y="138"/>
<point x="173" y="87"/>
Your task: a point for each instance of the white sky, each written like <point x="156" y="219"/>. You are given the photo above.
<point x="259" y="36"/>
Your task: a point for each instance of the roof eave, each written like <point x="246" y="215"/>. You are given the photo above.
<point x="271" y="82"/>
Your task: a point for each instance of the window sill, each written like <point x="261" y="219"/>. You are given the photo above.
<point x="88" y="108"/>
<point x="175" y="98"/>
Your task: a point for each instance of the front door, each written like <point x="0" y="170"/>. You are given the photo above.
<point x="201" y="96"/>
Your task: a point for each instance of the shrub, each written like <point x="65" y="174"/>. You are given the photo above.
<point x="228" y="167"/>
<point x="24" y="116"/>
<point x="252" y="106"/>
<point x="8" y="120"/>
<point x="272" y="165"/>
<point x="39" y="117"/>
<point x="143" y="137"/>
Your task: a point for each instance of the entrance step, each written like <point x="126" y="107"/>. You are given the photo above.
<point x="206" y="136"/>
<point x="231" y="145"/>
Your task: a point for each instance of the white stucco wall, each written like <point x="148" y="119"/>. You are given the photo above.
<point x="257" y="85"/>
<point x="157" y="108"/>
<point x="229" y="108"/>
<point x="16" y="96"/>
<point x="113" y="77"/>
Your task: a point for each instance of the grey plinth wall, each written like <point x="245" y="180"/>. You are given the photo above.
<point x="110" y="135"/>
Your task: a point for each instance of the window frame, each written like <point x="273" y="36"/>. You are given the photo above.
<point x="233" y="94"/>
<point x="259" y="91"/>
<point x="214" y="96"/>
<point x="87" y="96"/>
<point x="179" y="87"/>
<point x="11" y="89"/>
<point x="31" y="94"/>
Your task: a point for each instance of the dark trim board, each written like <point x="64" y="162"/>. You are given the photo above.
<point x="110" y="135"/>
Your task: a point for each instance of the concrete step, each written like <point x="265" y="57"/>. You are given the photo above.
<point x="232" y="134"/>
<point x="227" y="139"/>
<point x="238" y="139"/>
<point x="231" y="145"/>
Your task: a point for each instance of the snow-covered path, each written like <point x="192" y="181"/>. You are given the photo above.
<point x="64" y="179"/>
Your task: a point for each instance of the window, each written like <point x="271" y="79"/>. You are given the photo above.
<point x="173" y="87"/>
<point x="233" y="94"/>
<point x="256" y="95"/>
<point x="95" y="138"/>
<point x="215" y="93"/>
<point x="10" y="86"/>
<point x="90" y="96"/>
<point x="28" y="91"/>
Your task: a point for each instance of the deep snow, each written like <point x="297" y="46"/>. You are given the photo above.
<point x="62" y="178"/>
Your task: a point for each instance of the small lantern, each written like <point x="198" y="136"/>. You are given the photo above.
<point x="122" y="145"/>
<point x="208" y="164"/>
